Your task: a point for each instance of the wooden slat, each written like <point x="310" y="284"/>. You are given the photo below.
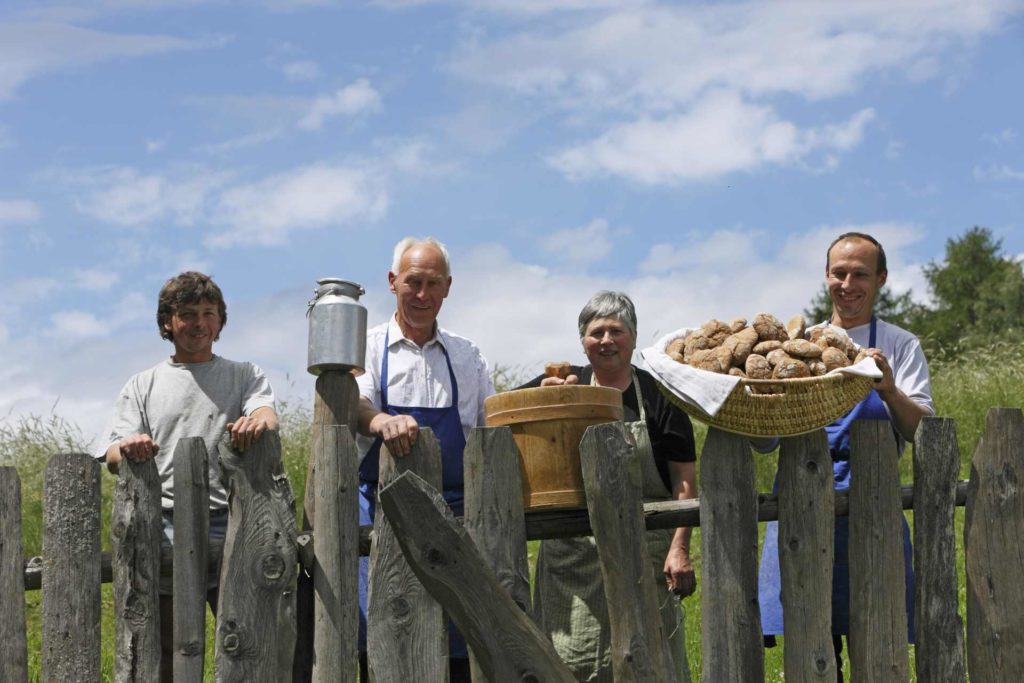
<point x="406" y="632"/>
<point x="994" y="537"/>
<point x="256" y="620"/>
<point x="13" y="648"/>
<point x="806" y="539"/>
<point x="335" y="402"/>
<point x="612" y="479"/>
<point x="135" y="530"/>
<point x="336" y="572"/>
<point x="71" y="579"/>
<point x="507" y="644"/>
<point x="732" y="646"/>
<point x="878" y="613"/>
<point x="494" y="513"/>
<point x="939" y="651"/>
<point x="191" y="555"/>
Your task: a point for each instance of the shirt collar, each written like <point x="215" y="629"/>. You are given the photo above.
<point x="395" y="335"/>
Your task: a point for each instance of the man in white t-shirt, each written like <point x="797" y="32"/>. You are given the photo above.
<point x="418" y="375"/>
<point x="193" y="393"/>
<point x="855" y="271"/>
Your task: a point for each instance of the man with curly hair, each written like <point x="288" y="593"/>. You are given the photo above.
<point x="192" y="393"/>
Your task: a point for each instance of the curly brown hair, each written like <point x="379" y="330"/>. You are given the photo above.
<point x="185" y="289"/>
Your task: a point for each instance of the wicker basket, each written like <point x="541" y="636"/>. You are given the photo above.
<point x="804" y="405"/>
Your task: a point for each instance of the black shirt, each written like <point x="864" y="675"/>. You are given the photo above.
<point x="669" y="427"/>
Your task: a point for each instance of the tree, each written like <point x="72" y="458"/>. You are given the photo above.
<point x="978" y="292"/>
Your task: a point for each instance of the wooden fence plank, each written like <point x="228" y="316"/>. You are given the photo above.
<point x="135" y="530"/>
<point x="336" y="568"/>
<point x="994" y="537"/>
<point x="256" y="620"/>
<point x="613" y="480"/>
<point x="71" y="579"/>
<point x="878" y="613"/>
<point x="732" y="647"/>
<point x="406" y="633"/>
<point x="494" y="513"/>
<point x="335" y="402"/>
<point x="939" y="651"/>
<point x="806" y="539"/>
<point x="192" y="556"/>
<point x="507" y="644"/>
<point x="13" y="647"/>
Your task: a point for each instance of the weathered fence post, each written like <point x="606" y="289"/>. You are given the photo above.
<point x="732" y="646"/>
<point x="336" y="569"/>
<point x="993" y="537"/>
<point x="939" y="651"/>
<point x="494" y="513"/>
<point x="191" y="556"/>
<point x="612" y="479"/>
<point x="406" y="633"/>
<point x="335" y="402"/>
<point x="71" y="578"/>
<point x="806" y="539"/>
<point x="507" y="644"/>
<point x="135" y="530"/>
<point x="878" y="612"/>
<point x="256" y="614"/>
<point x="13" y="648"/>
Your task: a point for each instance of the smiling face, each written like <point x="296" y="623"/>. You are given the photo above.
<point x="420" y="287"/>
<point x="608" y="344"/>
<point x="193" y="329"/>
<point x="853" y="281"/>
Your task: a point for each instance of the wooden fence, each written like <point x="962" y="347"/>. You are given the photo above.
<point x="424" y="564"/>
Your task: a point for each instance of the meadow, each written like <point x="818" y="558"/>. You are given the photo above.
<point x="964" y="389"/>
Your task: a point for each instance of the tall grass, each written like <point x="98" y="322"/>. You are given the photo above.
<point x="963" y="388"/>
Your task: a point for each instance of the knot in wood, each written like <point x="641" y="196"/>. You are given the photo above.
<point x="136" y="610"/>
<point x="820" y="664"/>
<point x="230" y="643"/>
<point x="794" y="544"/>
<point x="273" y="567"/>
<point x="433" y="556"/>
<point x="811" y="466"/>
<point x="529" y="678"/>
<point x="191" y="649"/>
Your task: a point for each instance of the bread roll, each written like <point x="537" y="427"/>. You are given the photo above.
<point x="741" y="344"/>
<point x="796" y="327"/>
<point x="801" y="348"/>
<point x="791" y="369"/>
<point x="769" y="327"/>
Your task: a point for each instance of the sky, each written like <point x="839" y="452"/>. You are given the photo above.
<point x="698" y="156"/>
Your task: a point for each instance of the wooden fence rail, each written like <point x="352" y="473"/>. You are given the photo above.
<point x="257" y="627"/>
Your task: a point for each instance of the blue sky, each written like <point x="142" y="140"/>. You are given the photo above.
<point x="699" y="156"/>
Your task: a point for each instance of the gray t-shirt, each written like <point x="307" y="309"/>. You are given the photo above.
<point x="172" y="401"/>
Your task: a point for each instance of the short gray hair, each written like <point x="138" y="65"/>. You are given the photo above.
<point x="407" y="243"/>
<point x="606" y="304"/>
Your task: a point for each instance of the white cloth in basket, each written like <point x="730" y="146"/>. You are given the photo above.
<point x="705" y="390"/>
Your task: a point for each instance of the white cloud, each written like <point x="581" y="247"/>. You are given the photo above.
<point x="357" y="98"/>
<point x="72" y="325"/>
<point x="1003" y="137"/>
<point x="29" y="49"/>
<point x="127" y="197"/>
<point x="18" y="212"/>
<point x="311" y="197"/>
<point x="722" y="134"/>
<point x="657" y="56"/>
<point x="997" y="173"/>
<point x="155" y="145"/>
<point x="301" y="70"/>
<point x="95" y="279"/>
<point x="582" y="245"/>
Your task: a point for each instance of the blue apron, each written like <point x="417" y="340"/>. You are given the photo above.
<point x="769" y="580"/>
<point x="447" y="427"/>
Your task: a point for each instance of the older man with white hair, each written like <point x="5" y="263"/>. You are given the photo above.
<point x="418" y="375"/>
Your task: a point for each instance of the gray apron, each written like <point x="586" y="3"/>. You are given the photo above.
<point x="569" y="602"/>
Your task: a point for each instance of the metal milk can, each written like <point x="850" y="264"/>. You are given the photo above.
<point x="337" y="327"/>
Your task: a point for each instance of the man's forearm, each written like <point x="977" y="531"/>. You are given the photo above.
<point x="268" y="415"/>
<point x="905" y="412"/>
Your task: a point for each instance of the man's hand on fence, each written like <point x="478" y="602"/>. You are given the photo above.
<point x="399" y="432"/>
<point x="246" y="430"/>
<point x="679" y="575"/>
<point x="138" y="447"/>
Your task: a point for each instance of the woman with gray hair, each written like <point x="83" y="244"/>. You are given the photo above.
<point x="569" y="599"/>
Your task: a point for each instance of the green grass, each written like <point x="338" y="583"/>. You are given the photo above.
<point x="963" y="389"/>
